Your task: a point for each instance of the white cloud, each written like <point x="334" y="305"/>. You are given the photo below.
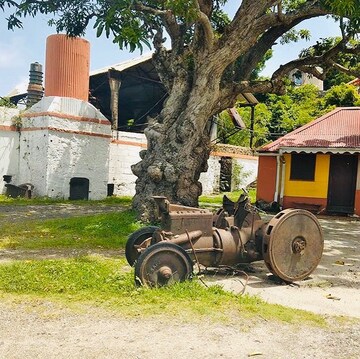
<point x="10" y="53"/>
<point x="20" y="87"/>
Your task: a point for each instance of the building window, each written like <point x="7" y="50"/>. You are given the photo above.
<point x="303" y="166"/>
<point x="297" y="78"/>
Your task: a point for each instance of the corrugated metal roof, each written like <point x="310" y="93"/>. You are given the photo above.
<point x="339" y="128"/>
<point x="122" y="65"/>
<point x="21" y="90"/>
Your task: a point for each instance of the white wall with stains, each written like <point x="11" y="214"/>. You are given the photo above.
<point x="9" y="145"/>
<point x="124" y="152"/>
<point x="63" y="138"/>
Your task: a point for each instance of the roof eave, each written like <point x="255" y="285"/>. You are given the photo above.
<point x="335" y="150"/>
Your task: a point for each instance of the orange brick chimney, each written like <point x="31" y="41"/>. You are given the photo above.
<point x="67" y="67"/>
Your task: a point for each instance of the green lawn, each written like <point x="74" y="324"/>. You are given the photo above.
<point x="110" y="283"/>
<point x="105" y="231"/>
<point x="234" y="196"/>
<point x="102" y="231"/>
<point x="214" y="199"/>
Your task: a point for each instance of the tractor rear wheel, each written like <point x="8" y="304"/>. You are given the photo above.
<point x="135" y="239"/>
<point x="293" y="244"/>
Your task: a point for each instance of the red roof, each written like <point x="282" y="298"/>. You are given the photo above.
<point x="339" y="128"/>
<point x="355" y="82"/>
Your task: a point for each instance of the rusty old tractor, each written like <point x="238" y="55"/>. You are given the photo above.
<point x="291" y="243"/>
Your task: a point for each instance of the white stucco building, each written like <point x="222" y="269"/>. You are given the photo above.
<point x="65" y="148"/>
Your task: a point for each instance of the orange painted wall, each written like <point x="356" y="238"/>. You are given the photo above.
<point x="357" y="203"/>
<point x="67" y="67"/>
<point x="266" y="180"/>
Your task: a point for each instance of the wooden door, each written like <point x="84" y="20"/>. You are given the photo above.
<point x="342" y="183"/>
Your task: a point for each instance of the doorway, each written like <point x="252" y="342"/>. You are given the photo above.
<point x="342" y="183"/>
<point x="79" y="188"/>
<point x="225" y="174"/>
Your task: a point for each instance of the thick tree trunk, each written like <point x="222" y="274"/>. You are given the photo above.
<point x="178" y="149"/>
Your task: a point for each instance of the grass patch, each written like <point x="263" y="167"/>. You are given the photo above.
<point x="109" y="283"/>
<point x="4" y="200"/>
<point x="105" y="231"/>
<point x="234" y="196"/>
<point x="101" y="231"/>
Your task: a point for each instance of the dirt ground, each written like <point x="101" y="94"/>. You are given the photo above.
<point x="43" y="330"/>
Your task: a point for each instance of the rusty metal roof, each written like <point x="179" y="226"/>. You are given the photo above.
<point x="355" y="82"/>
<point x="338" y="129"/>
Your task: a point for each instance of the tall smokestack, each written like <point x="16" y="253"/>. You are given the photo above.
<point x="67" y="67"/>
<point x="35" y="89"/>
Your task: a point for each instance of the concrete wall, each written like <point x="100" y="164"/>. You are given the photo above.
<point x="210" y="180"/>
<point x="33" y="159"/>
<point x="80" y="156"/>
<point x="9" y="145"/>
<point x="62" y="138"/>
<point x="124" y="152"/>
<point x="306" y="79"/>
<point x="318" y="188"/>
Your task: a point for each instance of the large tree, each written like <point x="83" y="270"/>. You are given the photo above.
<point x="212" y="60"/>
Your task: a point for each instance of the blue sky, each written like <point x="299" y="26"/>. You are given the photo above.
<point x="21" y="47"/>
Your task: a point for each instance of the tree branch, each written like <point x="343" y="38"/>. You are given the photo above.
<point x="245" y="30"/>
<point x="276" y="85"/>
<point x="206" y="6"/>
<point x="259" y="49"/>
<point x="321" y="75"/>
<point x="344" y="69"/>
<point x="251" y="6"/>
<point x="168" y="19"/>
<point x="230" y="94"/>
<point x="311" y="61"/>
<point x="204" y="32"/>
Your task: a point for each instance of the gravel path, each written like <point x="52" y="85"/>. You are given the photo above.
<point x="44" y="331"/>
<point x="62" y="210"/>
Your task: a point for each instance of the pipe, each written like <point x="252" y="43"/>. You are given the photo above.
<point x="282" y="190"/>
<point x="186" y="237"/>
<point x="278" y="164"/>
